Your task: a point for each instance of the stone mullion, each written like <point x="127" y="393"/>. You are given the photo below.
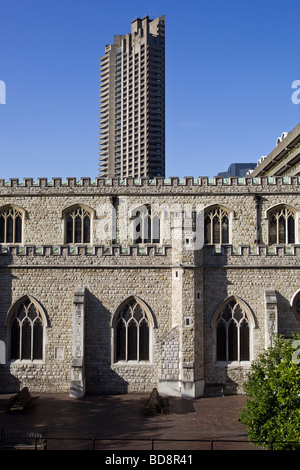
<point x="138" y="342"/>
<point x="211" y="228"/>
<point x="82" y="226"/>
<point x="73" y="226"/>
<point x="227" y="343"/>
<point x="5" y="228"/>
<point x="238" y="342"/>
<point x="277" y="228"/>
<point x="126" y="341"/>
<point x="14" y="226"/>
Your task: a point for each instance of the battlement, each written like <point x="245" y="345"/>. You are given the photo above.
<point x="200" y="182"/>
<point x="247" y="250"/>
<point x="117" y="255"/>
<point x="252" y="257"/>
<point x="84" y="250"/>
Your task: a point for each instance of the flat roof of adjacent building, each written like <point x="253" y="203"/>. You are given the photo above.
<point x="284" y="160"/>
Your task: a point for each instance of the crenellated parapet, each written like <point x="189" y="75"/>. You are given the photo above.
<point x="85" y="256"/>
<point x="248" y="250"/>
<point x="79" y="250"/>
<point x="196" y="184"/>
<point x="122" y="216"/>
<point x="116" y="256"/>
<point x="246" y="256"/>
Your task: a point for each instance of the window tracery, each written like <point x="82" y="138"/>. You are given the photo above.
<point x="146" y="225"/>
<point x="78" y="225"/>
<point x="281" y="226"/>
<point x="26" y="332"/>
<point x="216" y="226"/>
<point x="11" y="220"/>
<point x="295" y="304"/>
<point x="233" y="333"/>
<point x="132" y="331"/>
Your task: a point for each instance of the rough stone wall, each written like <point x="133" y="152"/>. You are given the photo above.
<point x="105" y="291"/>
<point x="44" y="202"/>
<point x="170" y="356"/>
<point x="250" y="285"/>
<point x="182" y="308"/>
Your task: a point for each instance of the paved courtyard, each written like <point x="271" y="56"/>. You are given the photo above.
<point x="118" y="422"/>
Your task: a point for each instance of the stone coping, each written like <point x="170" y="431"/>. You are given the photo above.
<point x="147" y="182"/>
<point x="95" y="250"/>
<point x="146" y="250"/>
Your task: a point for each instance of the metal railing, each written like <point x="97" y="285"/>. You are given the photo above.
<point x="153" y="444"/>
<point x="36" y="442"/>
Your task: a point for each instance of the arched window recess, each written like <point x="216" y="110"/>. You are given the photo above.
<point x="146" y="224"/>
<point x="11" y="224"/>
<point x="132" y="327"/>
<point x="233" y="325"/>
<point x="295" y="304"/>
<point x="26" y="325"/>
<point x="282" y="225"/>
<point x="217" y="225"/>
<point x="78" y="221"/>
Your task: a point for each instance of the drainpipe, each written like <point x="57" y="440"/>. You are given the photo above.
<point x="257" y="198"/>
<point x="114" y="203"/>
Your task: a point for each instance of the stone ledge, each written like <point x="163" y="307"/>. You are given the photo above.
<point x="248" y="250"/>
<point x="72" y="182"/>
<point x="86" y="250"/>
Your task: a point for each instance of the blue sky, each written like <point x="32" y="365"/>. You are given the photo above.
<point x="230" y="66"/>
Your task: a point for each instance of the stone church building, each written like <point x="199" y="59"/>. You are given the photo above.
<point x="116" y="286"/>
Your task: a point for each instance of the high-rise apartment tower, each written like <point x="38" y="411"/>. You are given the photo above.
<point x="132" y="102"/>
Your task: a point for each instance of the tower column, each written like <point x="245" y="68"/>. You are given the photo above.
<point x="271" y="316"/>
<point x="77" y="386"/>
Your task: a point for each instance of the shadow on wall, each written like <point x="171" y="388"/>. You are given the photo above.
<point x="8" y="383"/>
<point x="100" y="378"/>
<point x="217" y="288"/>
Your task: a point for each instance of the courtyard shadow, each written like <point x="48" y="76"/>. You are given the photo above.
<point x="118" y="422"/>
<point x="100" y="377"/>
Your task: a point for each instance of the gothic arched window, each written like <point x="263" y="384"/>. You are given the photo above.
<point x="232" y="333"/>
<point x="295" y="304"/>
<point x="281" y="226"/>
<point x="146" y="224"/>
<point x="216" y="226"/>
<point x="11" y="220"/>
<point x="78" y="225"/>
<point x="26" y="327"/>
<point x="132" y="333"/>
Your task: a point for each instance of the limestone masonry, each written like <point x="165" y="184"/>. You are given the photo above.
<point x="116" y="286"/>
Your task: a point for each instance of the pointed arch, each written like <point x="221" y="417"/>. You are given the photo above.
<point x="34" y="301"/>
<point x="146" y="223"/>
<point x="218" y="224"/>
<point x="11" y="223"/>
<point x="295" y="304"/>
<point x="233" y="325"/>
<point x="238" y="300"/>
<point x="278" y="206"/>
<point x="78" y="222"/>
<point x="26" y="324"/>
<point x="227" y="209"/>
<point x="132" y="327"/>
<point x="282" y="224"/>
<point x="139" y="301"/>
